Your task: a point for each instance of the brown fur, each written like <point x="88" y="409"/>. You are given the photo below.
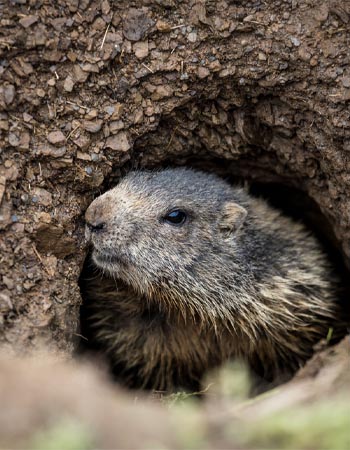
<point x="237" y="280"/>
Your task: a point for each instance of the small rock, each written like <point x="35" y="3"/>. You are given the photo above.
<point x="68" y="84"/>
<point x="109" y="109"/>
<point x="215" y="66"/>
<point x="42" y="196"/>
<point x="95" y="157"/>
<point x="27" y="21"/>
<point x="50" y="150"/>
<point x="304" y="54"/>
<point x="82" y="141"/>
<point x="136" y="24"/>
<point x="92" y="126"/>
<point x="9" y="94"/>
<point x="162" y="91"/>
<point x="346" y="82"/>
<point x="40" y="93"/>
<point x="4" y="125"/>
<point x="83" y="156"/>
<point x="8" y="282"/>
<point x="88" y="67"/>
<point x="203" y="72"/>
<point x="56" y="138"/>
<point x="91" y="114"/>
<point x="192" y="37"/>
<point x="118" y="142"/>
<point x="99" y="24"/>
<point x="24" y="141"/>
<point x="314" y="61"/>
<point x="44" y="217"/>
<point x="116" y="125"/>
<point x="262" y="56"/>
<point x="5" y="303"/>
<point x="162" y="26"/>
<point x="27" y="117"/>
<point x="295" y="41"/>
<point x="141" y="49"/>
<point x="249" y="18"/>
<point x="105" y="7"/>
<point x="138" y="117"/>
<point x="13" y="139"/>
<point x="22" y="67"/>
<point x="79" y="74"/>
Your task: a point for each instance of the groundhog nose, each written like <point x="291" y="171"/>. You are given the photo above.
<point x="97" y="227"/>
<point x="94" y="218"/>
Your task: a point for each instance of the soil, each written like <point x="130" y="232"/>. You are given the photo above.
<point x="256" y="90"/>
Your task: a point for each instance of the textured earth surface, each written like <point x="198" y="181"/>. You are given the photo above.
<point x="257" y="90"/>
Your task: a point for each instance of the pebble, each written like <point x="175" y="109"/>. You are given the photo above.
<point x="116" y="125"/>
<point x="13" y="139"/>
<point x="92" y="126"/>
<point x="27" y="117"/>
<point x="56" y="138"/>
<point x="109" y="110"/>
<point x="79" y="74"/>
<point x="192" y="37"/>
<point x="162" y="26"/>
<point x="136" y="24"/>
<point x="5" y="302"/>
<point x="27" y="21"/>
<point x="118" y="142"/>
<point x="141" y="49"/>
<point x="295" y="41"/>
<point x="346" y="82"/>
<point x="95" y="157"/>
<point x="50" y="150"/>
<point x="68" y="84"/>
<point x="9" y="94"/>
<point x="83" y="156"/>
<point x="42" y="196"/>
<point x="203" y="72"/>
<point x="82" y="141"/>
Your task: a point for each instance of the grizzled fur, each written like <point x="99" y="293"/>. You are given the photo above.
<point x="237" y="279"/>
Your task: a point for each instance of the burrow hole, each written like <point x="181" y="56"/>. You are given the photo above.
<point x="290" y="200"/>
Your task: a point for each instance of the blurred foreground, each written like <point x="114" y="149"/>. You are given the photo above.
<point x="56" y="404"/>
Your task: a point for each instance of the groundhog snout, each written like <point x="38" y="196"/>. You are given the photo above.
<point x="97" y="217"/>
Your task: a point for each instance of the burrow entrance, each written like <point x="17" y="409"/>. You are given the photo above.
<point x="266" y="172"/>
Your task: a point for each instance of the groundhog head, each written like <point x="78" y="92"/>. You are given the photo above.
<point x="162" y="227"/>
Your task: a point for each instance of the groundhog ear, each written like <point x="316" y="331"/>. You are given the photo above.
<point x="232" y="218"/>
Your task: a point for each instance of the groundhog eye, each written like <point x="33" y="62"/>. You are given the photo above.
<point x="175" y="217"/>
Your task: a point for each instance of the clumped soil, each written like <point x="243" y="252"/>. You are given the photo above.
<point x="258" y="90"/>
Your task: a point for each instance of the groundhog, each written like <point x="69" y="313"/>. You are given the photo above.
<point x="197" y="272"/>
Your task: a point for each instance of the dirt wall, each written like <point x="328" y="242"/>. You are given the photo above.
<point x="91" y="88"/>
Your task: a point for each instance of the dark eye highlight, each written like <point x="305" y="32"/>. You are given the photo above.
<point x="176" y="217"/>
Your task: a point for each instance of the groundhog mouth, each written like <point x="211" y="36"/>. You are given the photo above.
<point x="106" y="259"/>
